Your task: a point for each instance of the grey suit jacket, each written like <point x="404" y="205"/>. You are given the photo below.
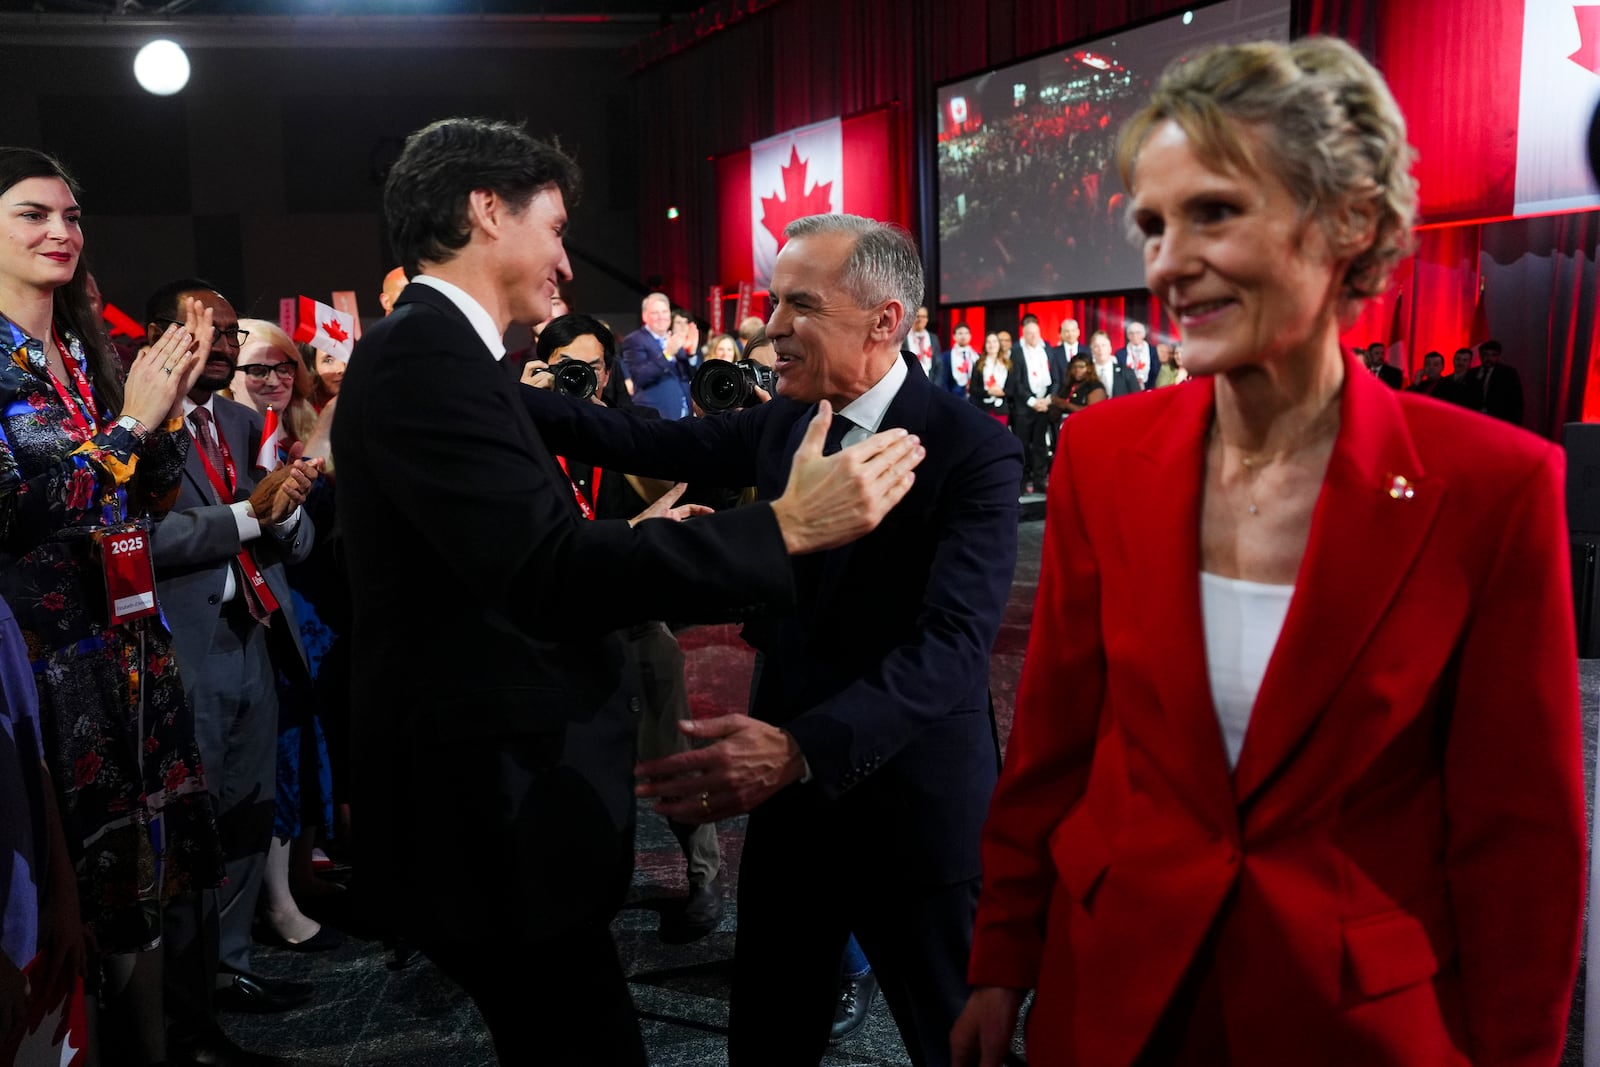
<point x="198" y="539"/>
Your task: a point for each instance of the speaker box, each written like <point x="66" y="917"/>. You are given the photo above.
<point x="1582" y="443"/>
<point x="1586" y="595"/>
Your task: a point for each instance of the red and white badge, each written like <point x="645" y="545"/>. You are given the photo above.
<point x="130" y="575"/>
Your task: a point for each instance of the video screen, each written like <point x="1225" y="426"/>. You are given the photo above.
<point x="1030" y="203"/>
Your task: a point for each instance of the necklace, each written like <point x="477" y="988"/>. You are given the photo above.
<point x="1312" y="433"/>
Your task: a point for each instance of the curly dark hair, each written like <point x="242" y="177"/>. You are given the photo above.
<point x="425" y="195"/>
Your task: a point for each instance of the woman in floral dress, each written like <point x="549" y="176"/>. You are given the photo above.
<point x="118" y="734"/>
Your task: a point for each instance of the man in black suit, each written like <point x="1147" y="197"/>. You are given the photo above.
<point x="492" y="760"/>
<point x="1061" y="355"/>
<point x="1495" y="388"/>
<point x="873" y="696"/>
<point x="1378" y="364"/>
<point x="1029" y="387"/>
<point x="959" y="362"/>
<point x="1118" y="378"/>
<point x="1457" y="388"/>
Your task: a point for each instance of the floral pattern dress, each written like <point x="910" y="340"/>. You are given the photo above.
<point x="118" y="732"/>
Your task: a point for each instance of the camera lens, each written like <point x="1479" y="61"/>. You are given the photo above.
<point x="719" y="386"/>
<point x="575" y="378"/>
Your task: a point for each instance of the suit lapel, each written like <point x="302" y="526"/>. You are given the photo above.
<point x="1158" y="497"/>
<point x="1375" y="483"/>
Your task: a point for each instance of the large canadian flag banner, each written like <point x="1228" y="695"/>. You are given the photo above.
<point x="1560" y="87"/>
<point x="851" y="164"/>
<point x="792" y="175"/>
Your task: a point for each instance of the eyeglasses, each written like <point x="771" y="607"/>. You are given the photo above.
<point x="232" y="337"/>
<point x="259" y="371"/>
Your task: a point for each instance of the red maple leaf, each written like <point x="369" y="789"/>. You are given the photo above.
<point x="1588" y="54"/>
<point x="335" y="331"/>
<point x="794" y="201"/>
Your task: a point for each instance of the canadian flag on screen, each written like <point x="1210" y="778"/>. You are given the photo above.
<point x="326" y="328"/>
<point x="792" y="175"/>
<point x="1560" y="85"/>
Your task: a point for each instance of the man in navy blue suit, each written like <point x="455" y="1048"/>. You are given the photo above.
<point x="660" y="357"/>
<point x="867" y="764"/>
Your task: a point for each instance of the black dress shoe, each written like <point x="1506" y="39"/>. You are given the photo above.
<point x="253" y="993"/>
<point x="704" y="906"/>
<point x="855" y="1004"/>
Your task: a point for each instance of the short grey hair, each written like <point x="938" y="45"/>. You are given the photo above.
<point x="654" y="298"/>
<point x="1332" y="133"/>
<point x="884" y="264"/>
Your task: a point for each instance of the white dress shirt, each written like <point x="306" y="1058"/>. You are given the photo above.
<point x="481" y="320"/>
<point x="867" y="410"/>
<point x="1107" y="372"/>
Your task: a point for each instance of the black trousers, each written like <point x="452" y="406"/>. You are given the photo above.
<point x="561" y="1002"/>
<point x="796" y="909"/>
<point x="1035" y="429"/>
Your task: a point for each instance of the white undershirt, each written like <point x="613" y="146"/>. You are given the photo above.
<point x="482" y="322"/>
<point x="1242" y="623"/>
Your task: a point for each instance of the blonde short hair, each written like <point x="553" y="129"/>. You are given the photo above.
<point x="301" y="416"/>
<point x="1332" y="133"/>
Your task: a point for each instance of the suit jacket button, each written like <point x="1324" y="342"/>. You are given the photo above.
<point x="213" y="599"/>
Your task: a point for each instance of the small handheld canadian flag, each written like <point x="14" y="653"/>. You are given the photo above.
<point x="271" y="438"/>
<point x="326" y="328"/>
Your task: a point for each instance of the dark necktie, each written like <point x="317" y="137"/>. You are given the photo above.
<point x="836" y="431"/>
<point x="205" y="435"/>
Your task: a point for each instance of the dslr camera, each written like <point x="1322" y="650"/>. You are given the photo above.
<point x="720" y="386"/>
<point x="574" y="378"/>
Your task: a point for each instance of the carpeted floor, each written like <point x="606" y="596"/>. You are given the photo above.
<point x="365" y="1013"/>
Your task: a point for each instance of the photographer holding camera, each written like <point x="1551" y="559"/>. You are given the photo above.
<point x="575" y="356"/>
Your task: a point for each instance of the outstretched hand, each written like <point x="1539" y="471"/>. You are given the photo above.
<point x="663" y="507"/>
<point x="833" y="500"/>
<point x="748" y="761"/>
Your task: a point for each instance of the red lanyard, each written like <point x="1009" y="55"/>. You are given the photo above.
<point x="83" y="412"/>
<point x="584" y="505"/>
<point x="224" y="489"/>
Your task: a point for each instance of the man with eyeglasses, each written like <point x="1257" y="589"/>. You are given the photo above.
<point x="219" y="557"/>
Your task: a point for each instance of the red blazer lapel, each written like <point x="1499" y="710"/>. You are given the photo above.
<point x="1158" y="487"/>
<point x="1375" y="482"/>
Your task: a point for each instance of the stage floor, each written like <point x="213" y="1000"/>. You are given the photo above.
<point x="365" y="1013"/>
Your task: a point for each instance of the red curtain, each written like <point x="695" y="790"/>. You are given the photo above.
<point x="1452" y="65"/>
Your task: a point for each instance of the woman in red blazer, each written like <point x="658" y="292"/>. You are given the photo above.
<point x="1342" y="823"/>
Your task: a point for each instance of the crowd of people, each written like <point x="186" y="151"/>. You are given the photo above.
<point x="1345" y="825"/>
<point x="1027" y="198"/>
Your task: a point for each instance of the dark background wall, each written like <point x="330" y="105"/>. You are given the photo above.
<point x="264" y="175"/>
